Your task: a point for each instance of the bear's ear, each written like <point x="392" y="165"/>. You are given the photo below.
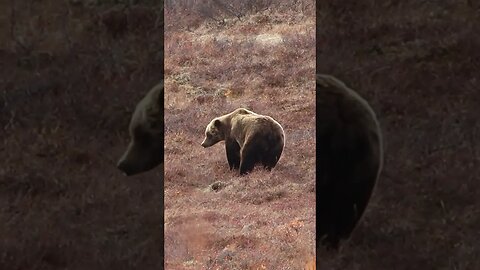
<point x="217" y="123"/>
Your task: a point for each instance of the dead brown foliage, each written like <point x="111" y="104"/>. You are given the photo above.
<point x="264" y="220"/>
<point x="190" y="14"/>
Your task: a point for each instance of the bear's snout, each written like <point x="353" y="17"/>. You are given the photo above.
<point x="206" y="144"/>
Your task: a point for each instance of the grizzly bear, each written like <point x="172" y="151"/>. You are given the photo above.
<point x="145" y="150"/>
<point x="349" y="159"/>
<point x="250" y="139"/>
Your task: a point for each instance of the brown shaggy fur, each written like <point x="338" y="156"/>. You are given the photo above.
<point x="250" y="139"/>
<point x="349" y="159"/>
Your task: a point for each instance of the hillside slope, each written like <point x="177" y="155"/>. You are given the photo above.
<point x="265" y="220"/>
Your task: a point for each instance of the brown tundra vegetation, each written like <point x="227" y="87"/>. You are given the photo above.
<point x="215" y="62"/>
<point x="71" y="73"/>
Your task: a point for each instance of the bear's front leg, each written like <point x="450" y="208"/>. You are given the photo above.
<point x="233" y="153"/>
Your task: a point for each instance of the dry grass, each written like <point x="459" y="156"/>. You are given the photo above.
<point x="264" y="220"/>
<point x="71" y="74"/>
<point x="417" y="62"/>
<point x="68" y="88"/>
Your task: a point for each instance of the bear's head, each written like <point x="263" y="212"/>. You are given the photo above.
<point x="145" y="150"/>
<point x="213" y="133"/>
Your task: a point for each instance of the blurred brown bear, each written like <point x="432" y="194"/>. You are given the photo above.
<point x="145" y="150"/>
<point x="349" y="159"/>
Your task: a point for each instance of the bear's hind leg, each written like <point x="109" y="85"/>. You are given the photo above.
<point x="246" y="165"/>
<point x="270" y="160"/>
<point x="249" y="156"/>
<point x="269" y="163"/>
<point x="327" y="231"/>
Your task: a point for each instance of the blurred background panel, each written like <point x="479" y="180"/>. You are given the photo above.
<point x="221" y="55"/>
<point x="417" y="64"/>
<point x="71" y="73"/>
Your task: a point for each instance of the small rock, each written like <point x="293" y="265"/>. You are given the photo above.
<point x="225" y="255"/>
<point x="247" y="228"/>
<point x="217" y="186"/>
